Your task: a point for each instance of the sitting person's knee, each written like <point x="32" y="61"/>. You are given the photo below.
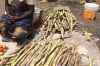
<point x="2" y="25"/>
<point x="19" y="32"/>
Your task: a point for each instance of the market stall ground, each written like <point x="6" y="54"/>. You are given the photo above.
<point x="77" y="9"/>
<point x="90" y="26"/>
<point x="86" y="47"/>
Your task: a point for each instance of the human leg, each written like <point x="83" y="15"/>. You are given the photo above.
<point x="21" y="35"/>
<point x="3" y="29"/>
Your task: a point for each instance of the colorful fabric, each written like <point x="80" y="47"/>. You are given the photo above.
<point x="25" y="24"/>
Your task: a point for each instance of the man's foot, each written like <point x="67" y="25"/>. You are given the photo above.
<point x="6" y="40"/>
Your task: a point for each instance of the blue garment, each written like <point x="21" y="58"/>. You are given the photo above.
<point x="24" y="23"/>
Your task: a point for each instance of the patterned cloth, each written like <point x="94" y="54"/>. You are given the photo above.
<point x="25" y="24"/>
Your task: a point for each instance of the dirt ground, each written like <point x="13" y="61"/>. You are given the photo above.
<point x="76" y="8"/>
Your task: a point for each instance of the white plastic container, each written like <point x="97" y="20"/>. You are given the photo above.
<point x="90" y="10"/>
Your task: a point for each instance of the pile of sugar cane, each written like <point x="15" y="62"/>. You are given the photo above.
<point x="58" y="21"/>
<point x="44" y="54"/>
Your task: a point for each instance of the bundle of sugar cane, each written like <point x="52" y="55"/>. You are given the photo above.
<point x="47" y="54"/>
<point x="58" y="20"/>
<point x="21" y="56"/>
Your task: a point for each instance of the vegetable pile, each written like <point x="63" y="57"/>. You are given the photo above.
<point x="3" y="49"/>
<point x="58" y="21"/>
<point x="44" y="54"/>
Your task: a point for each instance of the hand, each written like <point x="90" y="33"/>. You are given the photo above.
<point x="10" y="17"/>
<point x="14" y="18"/>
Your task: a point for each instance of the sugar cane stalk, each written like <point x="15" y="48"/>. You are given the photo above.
<point x="23" y="59"/>
<point x="46" y="55"/>
<point x="19" y="54"/>
<point x="50" y="57"/>
<point x="90" y="61"/>
<point x="39" y="57"/>
<point x="54" y="46"/>
<point x="31" y="53"/>
<point x="57" y="51"/>
<point x="32" y="45"/>
<point x="66" y="59"/>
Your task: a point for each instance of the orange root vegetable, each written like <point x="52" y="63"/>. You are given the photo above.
<point x="1" y="46"/>
<point x="1" y="53"/>
<point x="1" y="50"/>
